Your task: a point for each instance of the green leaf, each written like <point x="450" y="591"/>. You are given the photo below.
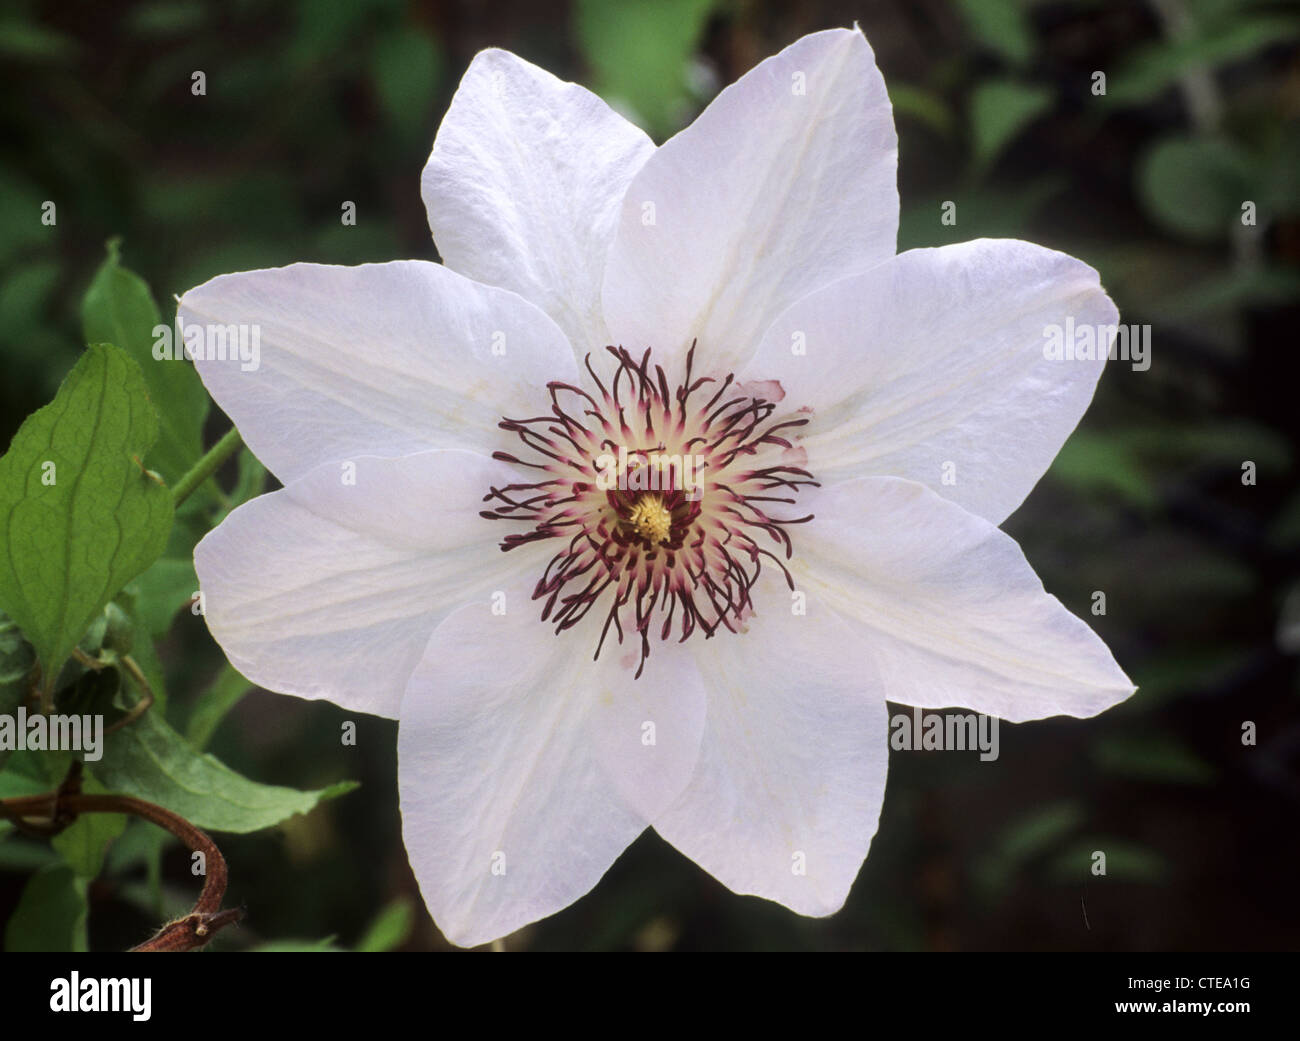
<point x="150" y="760"/>
<point x="1176" y="673"/>
<point x="923" y="105"/>
<point x="168" y="18"/>
<point x="389" y="929"/>
<point x="1195" y="186"/>
<point x="324" y="31"/>
<point x="16" y="661"/>
<point x="51" y="913"/>
<point x="250" y="479"/>
<point x="1217" y="443"/>
<point x="26" y="41"/>
<point x="1226" y="291"/>
<point x="119" y="309"/>
<point x="985" y="211"/>
<point x="25" y="297"/>
<point x="20" y="212"/>
<point x="141" y="846"/>
<point x="83" y="844"/>
<point x="22" y="855"/>
<point x="170" y="583"/>
<point x="1154" y="757"/>
<point x="166" y="587"/>
<point x="1001" y="26"/>
<point x="1037" y="831"/>
<point x="1105" y="465"/>
<point x="211" y="708"/>
<point x="407" y="66"/>
<point x="640" y="54"/>
<point x="1125" y="862"/>
<point x="1000" y="110"/>
<point x="1152" y="69"/>
<point x="1022" y="841"/>
<point x="146" y="657"/>
<point x="79" y="516"/>
<point x="33" y="773"/>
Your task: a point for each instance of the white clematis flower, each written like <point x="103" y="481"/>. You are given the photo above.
<point x="708" y="655"/>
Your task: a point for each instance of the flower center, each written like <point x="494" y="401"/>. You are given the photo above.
<point x="650" y="519"/>
<point x="660" y="501"/>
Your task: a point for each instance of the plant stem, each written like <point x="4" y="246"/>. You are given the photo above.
<point x="61" y="807"/>
<point x="207" y="466"/>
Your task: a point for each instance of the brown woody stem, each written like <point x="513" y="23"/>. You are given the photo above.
<point x="51" y="812"/>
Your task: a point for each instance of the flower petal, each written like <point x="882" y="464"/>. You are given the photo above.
<point x="330" y="589"/>
<point x="381" y="359"/>
<point x="783" y="184"/>
<point x="514" y="800"/>
<point x="524" y="185"/>
<point x="647" y="731"/>
<point x="948" y="606"/>
<point x="932" y="367"/>
<point x="791" y="775"/>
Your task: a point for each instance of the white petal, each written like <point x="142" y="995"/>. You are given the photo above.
<point x="328" y="589"/>
<point x="524" y="185"/>
<point x="381" y="359"/>
<point x="932" y="367"/>
<point x="646" y="732"/>
<point x="509" y="754"/>
<point x="783" y="184"/>
<point x="948" y="606"/>
<point x="787" y="793"/>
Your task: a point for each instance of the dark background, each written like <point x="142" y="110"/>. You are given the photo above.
<point x="311" y="104"/>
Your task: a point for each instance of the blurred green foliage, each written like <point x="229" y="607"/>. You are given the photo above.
<point x="640" y="56"/>
<point x="308" y="106"/>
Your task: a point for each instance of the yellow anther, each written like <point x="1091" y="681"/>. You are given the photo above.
<point x="650" y="519"/>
